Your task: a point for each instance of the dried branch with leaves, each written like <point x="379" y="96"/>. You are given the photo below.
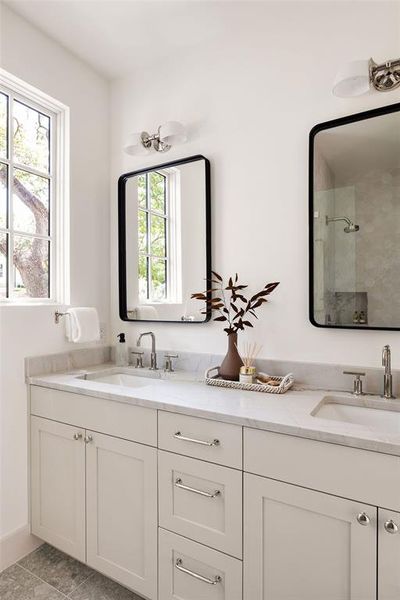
<point x="230" y="302"/>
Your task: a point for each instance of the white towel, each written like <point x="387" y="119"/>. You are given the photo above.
<point x="82" y="325"/>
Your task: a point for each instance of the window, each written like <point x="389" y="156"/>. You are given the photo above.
<point x="32" y="201"/>
<point x="153" y="230"/>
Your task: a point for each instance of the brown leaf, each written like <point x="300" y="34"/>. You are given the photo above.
<point x="269" y="287"/>
<point x="247" y="323"/>
<point x="259" y="302"/>
<point x="221" y="318"/>
<point x="216" y="275"/>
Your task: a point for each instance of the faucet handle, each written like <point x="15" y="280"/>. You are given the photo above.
<point x="168" y="362"/>
<point x="139" y="358"/>
<point x="357" y="384"/>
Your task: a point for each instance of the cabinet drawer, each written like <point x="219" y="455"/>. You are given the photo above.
<point x="213" y="441"/>
<point x="98" y="414"/>
<point x="190" y="571"/>
<point x="201" y="501"/>
<point x="370" y="477"/>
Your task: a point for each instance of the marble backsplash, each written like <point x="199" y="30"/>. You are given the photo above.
<point x="307" y="374"/>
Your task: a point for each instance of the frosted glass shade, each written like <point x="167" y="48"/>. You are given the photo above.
<point x="172" y="133"/>
<point x="134" y="144"/>
<point x="352" y="79"/>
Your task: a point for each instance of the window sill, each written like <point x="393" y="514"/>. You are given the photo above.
<point x="11" y="304"/>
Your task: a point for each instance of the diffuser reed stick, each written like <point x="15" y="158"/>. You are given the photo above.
<point x="248" y="356"/>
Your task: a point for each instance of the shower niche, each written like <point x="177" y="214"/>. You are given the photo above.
<point x="354" y="221"/>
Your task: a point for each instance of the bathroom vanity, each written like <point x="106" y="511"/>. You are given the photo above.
<point x="179" y="490"/>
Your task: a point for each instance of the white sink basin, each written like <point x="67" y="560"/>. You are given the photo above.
<point x="377" y="414"/>
<point x="122" y="379"/>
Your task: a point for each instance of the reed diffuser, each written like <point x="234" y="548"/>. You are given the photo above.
<point x="248" y="355"/>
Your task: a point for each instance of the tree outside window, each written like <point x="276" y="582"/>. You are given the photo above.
<point x="152" y="237"/>
<point x="25" y="199"/>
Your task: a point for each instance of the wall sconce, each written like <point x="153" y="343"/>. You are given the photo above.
<point x="357" y="77"/>
<point x="167" y="135"/>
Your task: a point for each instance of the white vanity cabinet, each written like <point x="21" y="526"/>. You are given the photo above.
<point x="306" y="545"/>
<point x="94" y="495"/>
<point x="177" y="507"/>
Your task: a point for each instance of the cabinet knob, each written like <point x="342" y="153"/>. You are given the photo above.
<point x="363" y="519"/>
<point x="87" y="439"/>
<point x="391" y="527"/>
<point x="77" y="436"/>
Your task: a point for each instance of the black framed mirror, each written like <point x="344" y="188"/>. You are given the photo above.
<point x="354" y="221"/>
<point x="164" y="238"/>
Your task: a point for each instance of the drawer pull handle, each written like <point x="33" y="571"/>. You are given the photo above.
<point x="391" y="527"/>
<point x="179" y="436"/>
<point x="77" y="436"/>
<point x="182" y="486"/>
<point x="88" y="439"/>
<point x="180" y="567"/>
<point x="363" y="519"/>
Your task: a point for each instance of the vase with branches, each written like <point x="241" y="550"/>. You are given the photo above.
<point x="235" y="310"/>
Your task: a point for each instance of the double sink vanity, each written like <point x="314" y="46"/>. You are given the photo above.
<point x="180" y="490"/>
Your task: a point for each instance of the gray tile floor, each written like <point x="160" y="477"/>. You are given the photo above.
<point x="48" y="574"/>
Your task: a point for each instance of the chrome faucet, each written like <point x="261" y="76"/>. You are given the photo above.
<point x="387" y="378"/>
<point x="153" y="355"/>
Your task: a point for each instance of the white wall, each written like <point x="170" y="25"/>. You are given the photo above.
<point x="249" y="100"/>
<point x="26" y="331"/>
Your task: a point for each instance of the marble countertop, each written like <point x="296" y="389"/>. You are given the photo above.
<point x="185" y="393"/>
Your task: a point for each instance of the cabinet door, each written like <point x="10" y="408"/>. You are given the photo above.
<point x="306" y="545"/>
<point x="389" y="555"/>
<point x="58" y="485"/>
<point x="121" y="484"/>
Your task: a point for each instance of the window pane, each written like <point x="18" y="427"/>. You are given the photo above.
<point x="158" y="280"/>
<point x="31" y="203"/>
<point x="31" y="267"/>
<point x="31" y="137"/>
<point x="3" y="125"/>
<point x="3" y="265"/>
<point x="158" y="233"/>
<point x="157" y="192"/>
<point x="142" y="231"/>
<point x="3" y="194"/>
<point x="142" y="191"/>
<point x="143" y="278"/>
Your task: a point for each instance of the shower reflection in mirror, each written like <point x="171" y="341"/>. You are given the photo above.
<point x="355" y="221"/>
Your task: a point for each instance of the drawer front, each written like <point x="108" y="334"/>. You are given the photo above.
<point x="362" y="475"/>
<point x="201" y="501"/>
<point x="190" y="571"/>
<point x="213" y="441"/>
<point x="122" y="420"/>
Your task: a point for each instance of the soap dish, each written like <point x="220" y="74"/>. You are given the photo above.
<point x="285" y="383"/>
